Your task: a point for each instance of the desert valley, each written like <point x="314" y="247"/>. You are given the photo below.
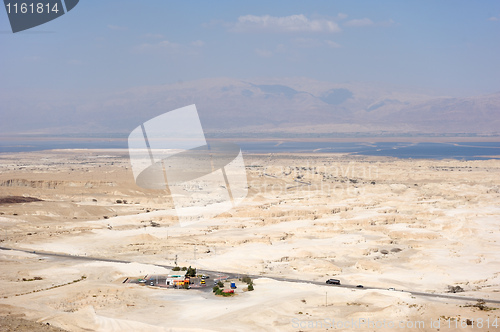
<point x="394" y="226"/>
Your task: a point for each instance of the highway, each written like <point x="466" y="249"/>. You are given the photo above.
<point x="232" y="275"/>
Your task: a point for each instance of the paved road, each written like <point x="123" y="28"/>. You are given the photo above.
<point x="230" y="275"/>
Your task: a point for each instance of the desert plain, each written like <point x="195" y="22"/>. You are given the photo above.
<point x="414" y="225"/>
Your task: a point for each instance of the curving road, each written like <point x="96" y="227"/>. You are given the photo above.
<point x="233" y="275"/>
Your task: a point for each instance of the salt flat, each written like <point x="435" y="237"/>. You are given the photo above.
<point x="416" y="225"/>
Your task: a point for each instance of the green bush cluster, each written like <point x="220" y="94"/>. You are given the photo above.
<point x="246" y="279"/>
<point x="249" y="282"/>
<point x="219" y="291"/>
<point x="191" y="272"/>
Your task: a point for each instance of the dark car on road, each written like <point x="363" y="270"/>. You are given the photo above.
<point x="333" y="281"/>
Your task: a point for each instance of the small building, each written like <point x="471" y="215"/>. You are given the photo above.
<point x="176" y="281"/>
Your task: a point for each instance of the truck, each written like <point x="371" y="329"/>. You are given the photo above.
<point x="333" y="281"/>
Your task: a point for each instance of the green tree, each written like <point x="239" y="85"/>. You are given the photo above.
<point x="191" y="272"/>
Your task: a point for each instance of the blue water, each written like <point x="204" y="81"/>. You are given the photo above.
<point x="460" y="151"/>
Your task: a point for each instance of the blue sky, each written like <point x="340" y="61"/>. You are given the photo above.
<point x="451" y="47"/>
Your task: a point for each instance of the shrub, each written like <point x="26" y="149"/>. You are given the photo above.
<point x="246" y="279"/>
<point x="455" y="289"/>
<point x="119" y="201"/>
<point x="215" y="289"/>
<point x="220" y="284"/>
<point x="184" y="268"/>
<point x="250" y="287"/>
<point x="176" y="268"/>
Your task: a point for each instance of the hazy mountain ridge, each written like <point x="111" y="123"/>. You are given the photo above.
<point x="231" y="106"/>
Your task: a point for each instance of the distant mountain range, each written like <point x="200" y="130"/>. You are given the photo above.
<point x="261" y="107"/>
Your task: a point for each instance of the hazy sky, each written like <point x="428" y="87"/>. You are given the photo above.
<point x="449" y="46"/>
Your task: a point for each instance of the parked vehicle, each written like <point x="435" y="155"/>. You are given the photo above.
<point x="233" y="285"/>
<point x="333" y="281"/>
<point x="391" y="289"/>
<point x="359" y="286"/>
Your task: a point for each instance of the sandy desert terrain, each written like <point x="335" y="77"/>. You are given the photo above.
<point x="414" y="225"/>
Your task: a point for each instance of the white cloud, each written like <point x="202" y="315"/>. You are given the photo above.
<point x="163" y="45"/>
<point x="494" y="18"/>
<point x="366" y="22"/>
<point x="332" y="44"/>
<point x="341" y="16"/>
<point x="312" y="42"/>
<point x="117" y="28"/>
<point x="386" y="23"/>
<point x="363" y="22"/>
<point x="198" y="43"/>
<point x="293" y="23"/>
<point x="263" y="53"/>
